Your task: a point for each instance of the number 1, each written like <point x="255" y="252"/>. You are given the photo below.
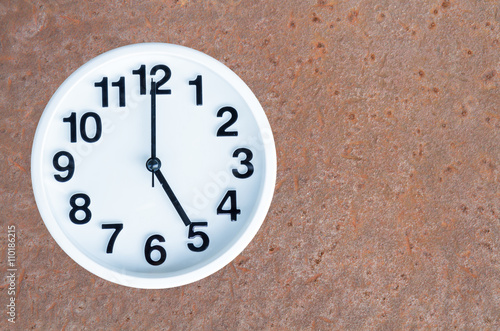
<point x="199" y="96"/>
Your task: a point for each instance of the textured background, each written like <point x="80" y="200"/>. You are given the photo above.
<point x="386" y="118"/>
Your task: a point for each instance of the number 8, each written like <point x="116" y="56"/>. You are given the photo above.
<point x="83" y="207"/>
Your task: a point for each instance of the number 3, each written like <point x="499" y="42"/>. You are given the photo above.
<point x="245" y="162"/>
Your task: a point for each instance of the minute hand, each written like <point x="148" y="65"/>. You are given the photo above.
<point x="153" y="127"/>
<point x="172" y="197"/>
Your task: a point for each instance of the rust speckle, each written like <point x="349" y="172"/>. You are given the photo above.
<point x="321" y="122"/>
<point x="273" y="250"/>
<point x="148" y="23"/>
<point x="353" y="15"/>
<point x="17" y="165"/>
<point x="326" y="320"/>
<point x="489" y="75"/>
<point x="312" y="279"/>
<point x="316" y="19"/>
<point x="296" y="183"/>
<point x="380" y="18"/>
<point x="468" y="271"/>
<point x="320" y="49"/>
<point x="71" y="19"/>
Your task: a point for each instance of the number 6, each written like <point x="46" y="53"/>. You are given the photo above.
<point x="148" y="249"/>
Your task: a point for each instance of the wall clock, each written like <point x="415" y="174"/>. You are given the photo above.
<point x="153" y="165"/>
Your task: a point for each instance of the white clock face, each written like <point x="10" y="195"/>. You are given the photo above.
<point x="153" y="165"/>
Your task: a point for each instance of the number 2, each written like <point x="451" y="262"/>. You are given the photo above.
<point x="222" y="132"/>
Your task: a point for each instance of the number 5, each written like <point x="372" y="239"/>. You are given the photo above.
<point x="200" y="234"/>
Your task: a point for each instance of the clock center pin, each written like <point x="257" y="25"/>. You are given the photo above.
<point x="153" y="164"/>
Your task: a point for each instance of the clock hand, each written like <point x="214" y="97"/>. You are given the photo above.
<point x="153" y="132"/>
<point x="171" y="196"/>
<point x="154" y="164"/>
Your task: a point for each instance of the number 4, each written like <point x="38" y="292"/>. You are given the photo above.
<point x="233" y="210"/>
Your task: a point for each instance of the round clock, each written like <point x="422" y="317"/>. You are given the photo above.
<point x="153" y="165"/>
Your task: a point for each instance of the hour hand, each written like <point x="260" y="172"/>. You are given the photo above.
<point x="171" y="196"/>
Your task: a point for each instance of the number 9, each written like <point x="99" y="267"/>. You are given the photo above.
<point x="69" y="167"/>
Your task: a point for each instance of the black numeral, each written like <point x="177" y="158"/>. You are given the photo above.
<point x="199" y="96"/>
<point x="141" y="71"/>
<point x="222" y="132"/>
<point x="148" y="249"/>
<point x="103" y="84"/>
<point x="83" y="208"/>
<point x="142" y="78"/>
<point x="121" y="90"/>
<point x="69" y="167"/>
<point x="117" y="227"/>
<point x="233" y="210"/>
<point x="245" y="162"/>
<point x="202" y="235"/>
<point x="71" y="119"/>
<point x="166" y="76"/>
<point x="83" y="127"/>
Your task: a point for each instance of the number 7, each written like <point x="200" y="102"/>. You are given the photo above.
<point x="118" y="227"/>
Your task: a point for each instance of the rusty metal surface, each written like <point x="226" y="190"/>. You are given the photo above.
<point x="387" y="125"/>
